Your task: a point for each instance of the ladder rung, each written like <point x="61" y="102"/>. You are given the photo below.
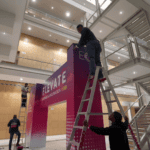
<point x="111" y="101"/>
<point x="85" y="100"/>
<point x="82" y="113"/>
<point x="98" y="113"/>
<point x="88" y="88"/>
<point x="78" y="127"/>
<point x="74" y="143"/>
<point x="107" y="90"/>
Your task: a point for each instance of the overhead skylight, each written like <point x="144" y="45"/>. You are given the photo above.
<point x="103" y="3"/>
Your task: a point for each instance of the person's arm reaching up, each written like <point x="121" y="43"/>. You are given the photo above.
<point x="100" y="131"/>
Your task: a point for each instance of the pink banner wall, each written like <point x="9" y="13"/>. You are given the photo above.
<point x="67" y="83"/>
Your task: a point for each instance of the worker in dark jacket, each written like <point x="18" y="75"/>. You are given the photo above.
<point x="117" y="132"/>
<point x="93" y="49"/>
<point x="14" y="124"/>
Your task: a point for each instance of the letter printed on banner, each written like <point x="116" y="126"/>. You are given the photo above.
<point x="51" y="85"/>
<point x="63" y="77"/>
<point x="55" y="83"/>
<point x="81" y="56"/>
<point x="59" y="80"/>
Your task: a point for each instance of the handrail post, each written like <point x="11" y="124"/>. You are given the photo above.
<point x="137" y="131"/>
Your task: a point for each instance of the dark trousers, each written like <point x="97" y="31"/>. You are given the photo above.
<point x="94" y="49"/>
<point x="24" y="100"/>
<point x="11" y="137"/>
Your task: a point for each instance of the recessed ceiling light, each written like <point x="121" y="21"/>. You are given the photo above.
<point x="33" y="0"/>
<point x="118" y="57"/>
<point x="120" y="12"/>
<point x="52" y="7"/>
<point x="100" y="31"/>
<point x="67" y="14"/>
<point x="26" y="12"/>
<point x="68" y="41"/>
<point x="4" y="33"/>
<point x="134" y="72"/>
<point x="50" y="35"/>
<point x="29" y="28"/>
<point x="21" y="79"/>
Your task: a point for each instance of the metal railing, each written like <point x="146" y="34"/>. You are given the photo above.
<point x="27" y="62"/>
<point x="134" y="120"/>
<point x="98" y="12"/>
<point x="49" y="18"/>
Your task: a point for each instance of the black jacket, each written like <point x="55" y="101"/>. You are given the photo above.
<point x="86" y="36"/>
<point x="13" y="124"/>
<point x="117" y="135"/>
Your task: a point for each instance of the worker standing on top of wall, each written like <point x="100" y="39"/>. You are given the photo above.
<point x="24" y="95"/>
<point x="93" y="48"/>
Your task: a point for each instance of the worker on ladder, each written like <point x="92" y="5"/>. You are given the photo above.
<point x="24" y="95"/>
<point x="93" y="49"/>
<point x="117" y="132"/>
<point x="14" y="124"/>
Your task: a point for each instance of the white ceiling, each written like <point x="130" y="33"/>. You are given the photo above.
<point x="17" y="79"/>
<point x="127" y="8"/>
<point x="60" y="9"/>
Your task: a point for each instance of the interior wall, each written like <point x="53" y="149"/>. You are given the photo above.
<point x="57" y="119"/>
<point x="42" y="51"/>
<point x="10" y="102"/>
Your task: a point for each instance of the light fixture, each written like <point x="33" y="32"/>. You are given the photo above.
<point x="118" y="57"/>
<point x="134" y="72"/>
<point x="50" y="35"/>
<point x="29" y="28"/>
<point x="120" y="12"/>
<point x="67" y="14"/>
<point x="52" y="7"/>
<point x="33" y="0"/>
<point x="100" y="31"/>
<point x="26" y="12"/>
<point x="4" y="33"/>
<point x="68" y="41"/>
<point x="21" y="79"/>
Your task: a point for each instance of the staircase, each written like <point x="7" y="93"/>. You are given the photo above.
<point x="142" y="118"/>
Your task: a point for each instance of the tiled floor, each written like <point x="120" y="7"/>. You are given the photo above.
<point x="52" y="145"/>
